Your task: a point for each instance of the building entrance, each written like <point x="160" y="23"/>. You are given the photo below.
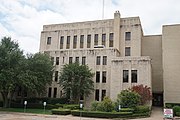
<point x="157" y="99"/>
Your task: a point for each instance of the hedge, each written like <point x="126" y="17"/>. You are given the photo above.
<point x="171" y="105"/>
<point x="33" y="105"/>
<point x="142" y="109"/>
<point x="61" y="111"/>
<point x="176" y="110"/>
<point x="98" y="114"/>
<point x="126" y="110"/>
<point x="71" y="106"/>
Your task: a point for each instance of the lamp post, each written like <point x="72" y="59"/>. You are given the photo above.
<point x="81" y="107"/>
<point x="44" y="104"/>
<point x="25" y="103"/>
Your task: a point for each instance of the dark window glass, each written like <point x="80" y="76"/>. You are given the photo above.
<point x="96" y="39"/>
<point x="68" y="42"/>
<point x="111" y="38"/>
<point x="97" y="76"/>
<point x="97" y="95"/>
<point x="70" y="60"/>
<point x="52" y="59"/>
<point x="125" y="76"/>
<point x="104" y="39"/>
<point x="104" y="60"/>
<point x="48" y="40"/>
<point x="75" y="41"/>
<point x="127" y="51"/>
<point x="49" y="92"/>
<point x="77" y="59"/>
<point x="103" y="94"/>
<point x="83" y="60"/>
<point x="57" y="60"/>
<point x="88" y="41"/>
<point x="127" y="36"/>
<point x="98" y="60"/>
<point x="61" y="42"/>
<point x="134" y="76"/>
<point x="56" y="76"/>
<point x="55" y="93"/>
<point x="81" y="41"/>
<point x="104" y="77"/>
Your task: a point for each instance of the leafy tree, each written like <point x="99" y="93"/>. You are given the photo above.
<point x="144" y="92"/>
<point x="76" y="81"/>
<point x="128" y="98"/>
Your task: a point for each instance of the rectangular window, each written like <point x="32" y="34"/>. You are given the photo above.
<point x="61" y="42"/>
<point x="111" y="38"/>
<point x="83" y="60"/>
<point x="48" y="40"/>
<point x="104" y="60"/>
<point x="97" y="95"/>
<point x="52" y="60"/>
<point x="68" y="42"/>
<point x="49" y="92"/>
<point x="88" y="41"/>
<point x="134" y="76"/>
<point x="81" y="41"/>
<point x="56" y="76"/>
<point x="77" y="60"/>
<point x="103" y="94"/>
<point x="104" y="77"/>
<point x="104" y="39"/>
<point x="127" y="36"/>
<point x="75" y="41"/>
<point x="98" y="60"/>
<point x="70" y="60"/>
<point x="96" y="39"/>
<point x="57" y="60"/>
<point x="125" y="76"/>
<point x="127" y="51"/>
<point x="97" y="77"/>
<point x="55" y="93"/>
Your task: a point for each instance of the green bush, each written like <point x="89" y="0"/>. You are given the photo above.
<point x="94" y="106"/>
<point x="171" y="105"/>
<point x="99" y="114"/>
<point x="71" y="106"/>
<point x="61" y="111"/>
<point x="142" y="109"/>
<point x="1" y="103"/>
<point x="126" y="110"/>
<point x="107" y="105"/>
<point x="176" y="109"/>
<point x="33" y="106"/>
<point x="178" y="114"/>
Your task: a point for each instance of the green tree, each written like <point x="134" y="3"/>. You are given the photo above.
<point x="128" y="98"/>
<point x="76" y="80"/>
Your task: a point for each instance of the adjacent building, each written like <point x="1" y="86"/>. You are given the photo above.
<point x="119" y="54"/>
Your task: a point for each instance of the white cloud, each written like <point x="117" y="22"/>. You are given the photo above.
<point x="23" y="19"/>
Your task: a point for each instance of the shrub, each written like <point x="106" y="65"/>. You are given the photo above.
<point x="142" y="109"/>
<point x="178" y="114"/>
<point x="61" y="111"/>
<point x="171" y="105"/>
<point x="176" y="109"/>
<point x="107" y="105"/>
<point x="126" y="110"/>
<point x="94" y="105"/>
<point x="71" y="106"/>
<point x="33" y="105"/>
<point x="1" y="103"/>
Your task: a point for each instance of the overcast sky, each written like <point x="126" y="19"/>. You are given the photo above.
<point x="23" y="20"/>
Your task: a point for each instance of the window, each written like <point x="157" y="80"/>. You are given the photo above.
<point x="104" y="60"/>
<point x="96" y="39"/>
<point x="97" y="95"/>
<point x="97" y="76"/>
<point x="127" y="51"/>
<point x="49" y="92"/>
<point x="55" y="93"/>
<point x="134" y="76"/>
<point x="127" y="36"/>
<point x="63" y="60"/>
<point x="70" y="60"/>
<point x="88" y="41"/>
<point x="98" y="60"/>
<point x="68" y="42"/>
<point x="48" y="40"/>
<point x="61" y="42"/>
<point x="75" y="41"/>
<point x="56" y="76"/>
<point x="83" y="60"/>
<point x="111" y="37"/>
<point x="57" y="60"/>
<point x="81" y="41"/>
<point x="103" y="94"/>
<point x="77" y="60"/>
<point x="104" y="77"/>
<point x="125" y="76"/>
<point x="52" y="60"/>
<point x="104" y="39"/>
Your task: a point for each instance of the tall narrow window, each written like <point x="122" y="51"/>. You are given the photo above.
<point x="97" y="77"/>
<point x="103" y="94"/>
<point x="111" y="38"/>
<point x="98" y="60"/>
<point x="63" y="60"/>
<point x="75" y="41"/>
<point x="81" y="41"/>
<point x="104" y="60"/>
<point x="83" y="60"/>
<point x="52" y="60"/>
<point x="134" y="76"/>
<point x="49" y="92"/>
<point x="61" y="42"/>
<point x="127" y="51"/>
<point x="77" y="60"/>
<point x="57" y="60"/>
<point x="104" y="39"/>
<point x="88" y="41"/>
<point x="68" y="42"/>
<point x="97" y="95"/>
<point x="96" y="39"/>
<point x="125" y="76"/>
<point x="127" y="36"/>
<point x="104" y="77"/>
<point x="48" y="40"/>
<point x="55" y="93"/>
<point x="70" y="60"/>
<point x="56" y="76"/>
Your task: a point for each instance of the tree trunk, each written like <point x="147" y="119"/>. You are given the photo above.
<point x="5" y="99"/>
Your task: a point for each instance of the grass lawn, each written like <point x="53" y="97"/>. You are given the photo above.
<point x="36" y="111"/>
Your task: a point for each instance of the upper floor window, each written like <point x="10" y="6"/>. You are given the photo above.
<point x="125" y="76"/>
<point x="98" y="60"/>
<point x="96" y="39"/>
<point x="88" y="41"/>
<point x="127" y="36"/>
<point x="68" y="42"/>
<point x="104" y="77"/>
<point x="127" y="51"/>
<point x="56" y="76"/>
<point x="61" y="42"/>
<point x="104" y="60"/>
<point x="134" y="76"/>
<point x="97" y="76"/>
<point x="48" y="40"/>
<point x="81" y="41"/>
<point x="104" y="39"/>
<point x="111" y="38"/>
<point x="75" y="41"/>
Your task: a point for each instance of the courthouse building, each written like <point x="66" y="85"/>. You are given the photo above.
<point x="119" y="54"/>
